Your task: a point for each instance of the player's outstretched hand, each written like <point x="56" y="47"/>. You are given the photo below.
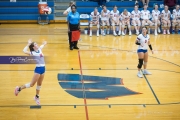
<point x="29" y="41"/>
<point x="44" y="42"/>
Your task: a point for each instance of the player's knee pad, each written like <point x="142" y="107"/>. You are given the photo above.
<point x="155" y="24"/>
<point x="173" y="24"/>
<point x="145" y="63"/>
<point x="129" y="26"/>
<point x="38" y="87"/>
<point x="113" y="24"/>
<point x="134" y="24"/>
<point x="123" y="25"/>
<point x="169" y="24"/>
<point x="28" y="85"/>
<point x="103" y="24"/>
<point x="98" y="26"/>
<point x="140" y="63"/>
<point x="139" y="24"/>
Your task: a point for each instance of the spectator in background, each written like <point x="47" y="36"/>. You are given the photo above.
<point x="100" y="2"/>
<point x="170" y="3"/>
<point x="145" y="2"/>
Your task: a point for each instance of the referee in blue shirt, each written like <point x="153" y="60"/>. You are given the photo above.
<point x="73" y="19"/>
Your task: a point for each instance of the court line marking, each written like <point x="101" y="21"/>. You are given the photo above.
<point x="90" y="69"/>
<point x="83" y="87"/>
<point x="151" y="89"/>
<point x="165" y="61"/>
<point x="114" y="49"/>
<point x="51" y="105"/>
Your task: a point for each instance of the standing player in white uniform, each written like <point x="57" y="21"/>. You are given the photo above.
<point x="145" y="15"/>
<point x="176" y="19"/>
<point x="115" y="20"/>
<point x="39" y="71"/>
<point x="156" y="19"/>
<point x="125" y="15"/>
<point x="165" y="17"/>
<point x="94" y="21"/>
<point x="105" y="15"/>
<point x="68" y="10"/>
<point x="135" y="15"/>
<point x="143" y="41"/>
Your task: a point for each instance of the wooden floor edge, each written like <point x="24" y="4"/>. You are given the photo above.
<point x="28" y="21"/>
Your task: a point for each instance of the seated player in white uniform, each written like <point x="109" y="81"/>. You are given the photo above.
<point x="94" y="21"/>
<point x="176" y="19"/>
<point x="125" y="15"/>
<point x="135" y="15"/>
<point x="156" y="19"/>
<point x="145" y="15"/>
<point x="105" y="15"/>
<point x="115" y="19"/>
<point x="165" y="17"/>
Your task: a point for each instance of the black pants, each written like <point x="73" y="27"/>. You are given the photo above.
<point x="72" y="27"/>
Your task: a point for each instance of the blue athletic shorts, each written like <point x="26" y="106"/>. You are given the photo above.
<point x="141" y="50"/>
<point x="40" y="70"/>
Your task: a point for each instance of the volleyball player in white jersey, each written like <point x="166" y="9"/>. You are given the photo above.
<point x="39" y="71"/>
<point x="115" y="20"/>
<point x="143" y="41"/>
<point x="105" y="15"/>
<point x="156" y="19"/>
<point x="165" y="17"/>
<point x="145" y="15"/>
<point x="176" y="19"/>
<point x="125" y="15"/>
<point x="94" y="21"/>
<point x="135" y="15"/>
<point x="68" y="10"/>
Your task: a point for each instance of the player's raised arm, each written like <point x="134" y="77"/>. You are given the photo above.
<point x="25" y="50"/>
<point x="43" y="44"/>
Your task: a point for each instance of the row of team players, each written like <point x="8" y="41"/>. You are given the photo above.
<point x="139" y="18"/>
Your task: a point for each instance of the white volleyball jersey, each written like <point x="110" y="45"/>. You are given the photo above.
<point x="94" y="17"/>
<point x="114" y="15"/>
<point x="39" y="57"/>
<point x="166" y="15"/>
<point x="125" y="17"/>
<point x="68" y="9"/>
<point x="176" y="14"/>
<point x="136" y="15"/>
<point x="143" y="40"/>
<point x="145" y="14"/>
<point x="105" y="15"/>
<point x="155" y="14"/>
